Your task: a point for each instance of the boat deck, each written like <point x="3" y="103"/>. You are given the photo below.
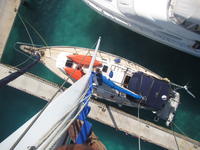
<point x="107" y="115"/>
<point x="50" y="55"/>
<point x="8" y="10"/>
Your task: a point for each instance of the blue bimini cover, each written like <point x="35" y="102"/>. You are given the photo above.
<point x="155" y="91"/>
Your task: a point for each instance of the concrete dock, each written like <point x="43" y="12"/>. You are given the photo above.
<point x="30" y="83"/>
<point x="146" y="130"/>
<point x="8" y="11"/>
<point x="107" y="115"/>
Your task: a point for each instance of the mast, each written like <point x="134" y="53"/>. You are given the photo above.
<point x="58" y="115"/>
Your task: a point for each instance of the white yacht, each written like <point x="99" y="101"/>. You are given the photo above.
<point x="175" y="23"/>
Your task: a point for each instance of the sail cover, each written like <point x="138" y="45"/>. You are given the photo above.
<point x="156" y="92"/>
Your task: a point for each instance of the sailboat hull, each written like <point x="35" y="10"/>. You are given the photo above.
<point x="150" y="19"/>
<point x="115" y="68"/>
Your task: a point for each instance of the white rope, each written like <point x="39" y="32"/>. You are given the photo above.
<point x="172" y="128"/>
<point x="99" y="51"/>
<point x="29" y="57"/>
<point x="39" y="114"/>
<point x="31" y="40"/>
<point x="26" y="28"/>
<point x="181" y="131"/>
<point x="39" y="35"/>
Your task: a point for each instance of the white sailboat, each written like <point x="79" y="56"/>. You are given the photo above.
<point x="47" y="129"/>
<point x="175" y="23"/>
<point x="118" y="80"/>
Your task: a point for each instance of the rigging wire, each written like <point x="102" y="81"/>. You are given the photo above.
<point x="173" y="124"/>
<point x="31" y="40"/>
<point x="172" y="128"/>
<point x="43" y="109"/>
<point x="93" y="46"/>
<point x="30" y="57"/>
<point x="138" y="118"/>
<point x="179" y="129"/>
<point x="24" y="22"/>
<point x="39" y="35"/>
<point x="25" y="28"/>
<point x="74" y="70"/>
<point x="64" y="121"/>
<point x="98" y="51"/>
<point x="39" y="114"/>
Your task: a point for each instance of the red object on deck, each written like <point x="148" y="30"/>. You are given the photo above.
<point x="74" y="73"/>
<point x="84" y="60"/>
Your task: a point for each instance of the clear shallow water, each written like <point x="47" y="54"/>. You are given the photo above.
<point x="71" y="22"/>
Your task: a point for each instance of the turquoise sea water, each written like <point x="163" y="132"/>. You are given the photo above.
<point x="71" y="22"/>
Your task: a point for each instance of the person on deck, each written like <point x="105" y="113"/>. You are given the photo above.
<point x="99" y="76"/>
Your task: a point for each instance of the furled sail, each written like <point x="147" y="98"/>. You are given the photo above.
<point x="50" y="126"/>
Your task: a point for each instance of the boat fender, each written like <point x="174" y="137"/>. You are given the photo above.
<point x="111" y="74"/>
<point x="117" y="60"/>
